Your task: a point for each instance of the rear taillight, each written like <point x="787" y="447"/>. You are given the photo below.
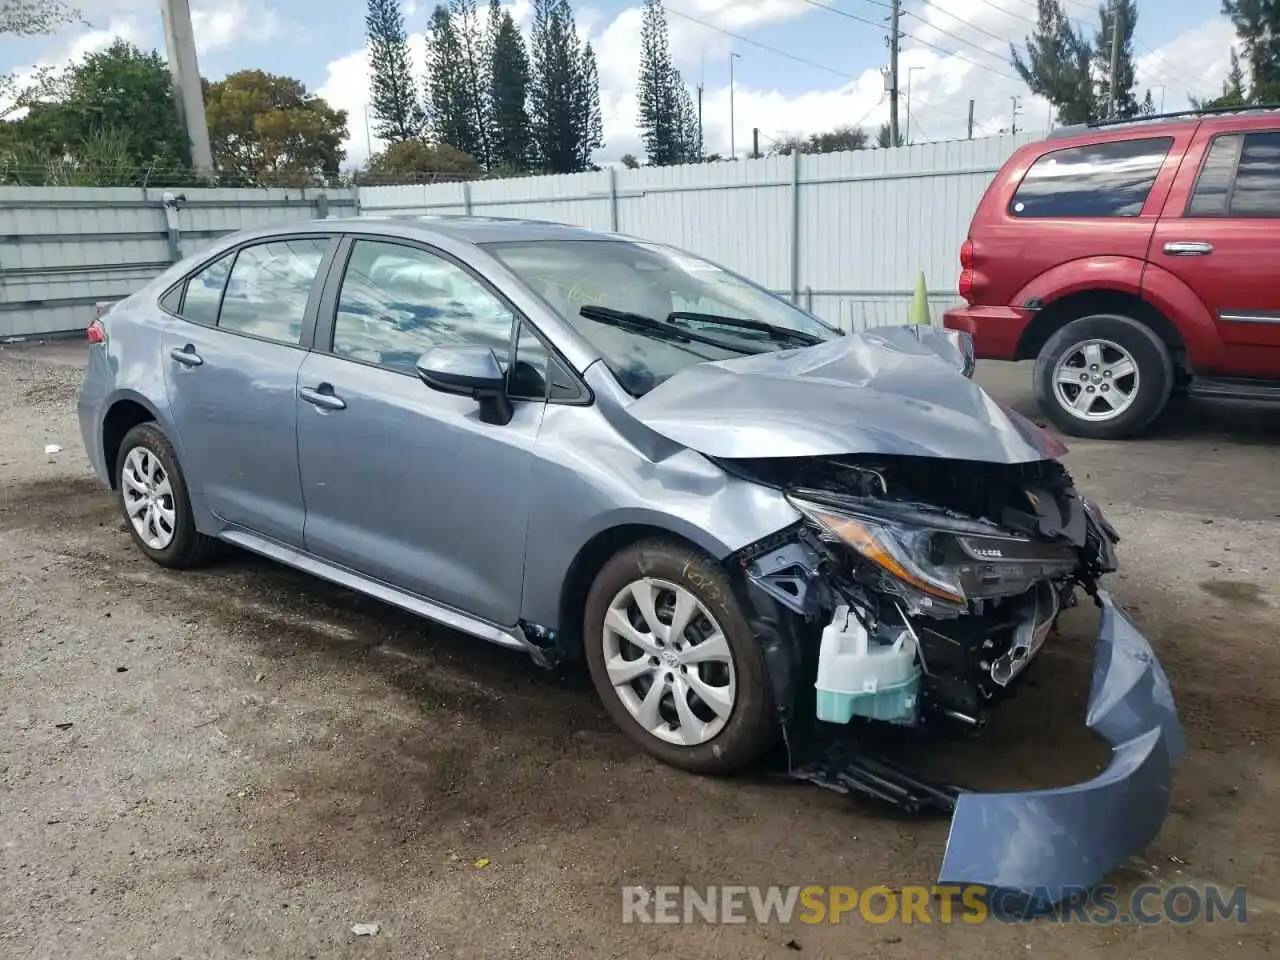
<point x="966" y="255"/>
<point x="966" y="285"/>
<point x="97" y="331"/>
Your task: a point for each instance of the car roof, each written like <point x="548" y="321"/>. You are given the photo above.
<point x="468" y="229"/>
<point x="1166" y="124"/>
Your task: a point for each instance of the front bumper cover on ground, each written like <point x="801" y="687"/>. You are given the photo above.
<point x="1035" y="848"/>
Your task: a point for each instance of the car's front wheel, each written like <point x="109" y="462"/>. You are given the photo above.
<point x="1104" y="377"/>
<point x="154" y="499"/>
<point x="674" y="660"/>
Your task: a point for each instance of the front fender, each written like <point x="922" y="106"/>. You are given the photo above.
<point x="1121" y="274"/>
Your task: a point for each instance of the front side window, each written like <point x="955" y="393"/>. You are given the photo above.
<point x="269" y="286"/>
<point x="652" y="281"/>
<point x="1101" y="180"/>
<point x="397" y="302"/>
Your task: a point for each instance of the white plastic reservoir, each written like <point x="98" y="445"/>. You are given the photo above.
<point x="864" y="676"/>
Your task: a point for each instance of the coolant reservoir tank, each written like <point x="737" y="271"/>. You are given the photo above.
<point x="866" y="676"/>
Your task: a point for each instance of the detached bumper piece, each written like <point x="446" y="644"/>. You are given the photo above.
<point x="1032" y="849"/>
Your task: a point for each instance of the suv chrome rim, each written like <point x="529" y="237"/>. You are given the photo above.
<point x="1096" y="380"/>
<point x="148" y="498"/>
<point x="669" y="662"/>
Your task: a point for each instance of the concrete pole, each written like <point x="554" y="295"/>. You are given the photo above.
<point x="1117" y="26"/>
<point x="180" y="45"/>
<point x="893" y="73"/>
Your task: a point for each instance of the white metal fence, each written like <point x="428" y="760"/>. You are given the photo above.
<point x="846" y="232"/>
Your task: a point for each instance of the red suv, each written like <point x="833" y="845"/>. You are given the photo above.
<point x="1132" y="260"/>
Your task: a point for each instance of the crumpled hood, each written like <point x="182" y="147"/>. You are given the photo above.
<point x="890" y="390"/>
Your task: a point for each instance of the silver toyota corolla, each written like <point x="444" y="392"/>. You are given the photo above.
<point x="583" y="445"/>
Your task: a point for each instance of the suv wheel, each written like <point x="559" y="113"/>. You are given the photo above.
<point x="1103" y="376"/>
<point x="674" y="661"/>
<point x="153" y="497"/>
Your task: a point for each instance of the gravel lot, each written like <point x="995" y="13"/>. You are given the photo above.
<point x="243" y="761"/>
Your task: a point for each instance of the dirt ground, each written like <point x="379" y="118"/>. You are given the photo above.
<point x="243" y="761"/>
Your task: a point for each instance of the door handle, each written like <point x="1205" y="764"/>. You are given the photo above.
<point x="187" y="356"/>
<point x="322" y="397"/>
<point x="1188" y="248"/>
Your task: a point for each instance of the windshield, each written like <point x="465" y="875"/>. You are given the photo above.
<point x="654" y="281"/>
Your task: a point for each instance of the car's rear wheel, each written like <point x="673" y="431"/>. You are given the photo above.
<point x="154" y="499"/>
<point x="1103" y="376"/>
<point x="674" y="661"/>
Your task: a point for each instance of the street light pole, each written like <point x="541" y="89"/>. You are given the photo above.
<point x="732" y="144"/>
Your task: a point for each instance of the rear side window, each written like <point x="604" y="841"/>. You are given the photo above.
<point x="204" y="292"/>
<point x="1239" y="178"/>
<point x="269" y="286"/>
<point x="1100" y="180"/>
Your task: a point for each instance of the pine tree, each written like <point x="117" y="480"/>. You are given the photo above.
<point x="690" y="135"/>
<point x="512" y="140"/>
<point x="473" y="63"/>
<point x="397" y="112"/>
<point x="564" y="91"/>
<point x="667" y="117"/>
<point x="1257" y="24"/>
<point x="1058" y="64"/>
<point x="1127" y="105"/>
<point x="452" y="115"/>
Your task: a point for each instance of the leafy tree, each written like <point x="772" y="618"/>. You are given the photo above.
<point x="416" y="161"/>
<point x="397" y="111"/>
<point x="831" y="141"/>
<point x="512" y="139"/>
<point x="630" y="162"/>
<point x="269" y="129"/>
<point x="564" y="91"/>
<point x="1058" y="64"/>
<point x="26" y="18"/>
<point x="1257" y="24"/>
<point x="1127" y="104"/>
<point x="119" y="100"/>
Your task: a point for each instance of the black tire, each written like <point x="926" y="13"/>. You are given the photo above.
<point x="751" y="727"/>
<point x="1155" y="375"/>
<point x="188" y="547"/>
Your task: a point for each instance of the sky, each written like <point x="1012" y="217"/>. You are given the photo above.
<point x="799" y="66"/>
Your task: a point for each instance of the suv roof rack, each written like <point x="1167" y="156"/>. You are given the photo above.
<point x="1073" y="128"/>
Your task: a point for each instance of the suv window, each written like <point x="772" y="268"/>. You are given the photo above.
<point x="1099" y="180"/>
<point x="269" y="286"/>
<point x="1240" y="177"/>
<point x="396" y="302"/>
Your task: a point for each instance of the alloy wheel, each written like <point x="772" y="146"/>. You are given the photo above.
<point x="1096" y="380"/>
<point x="669" y="662"/>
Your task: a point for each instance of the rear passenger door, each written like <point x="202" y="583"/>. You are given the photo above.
<point x="231" y="365"/>
<point x="1220" y="235"/>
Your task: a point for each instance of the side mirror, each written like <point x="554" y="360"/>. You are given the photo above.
<point x="468" y="371"/>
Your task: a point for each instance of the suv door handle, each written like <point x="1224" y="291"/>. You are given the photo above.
<point x="322" y="397"/>
<point x="1188" y="248"/>
<point x="187" y="356"/>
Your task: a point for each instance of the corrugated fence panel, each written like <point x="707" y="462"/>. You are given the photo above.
<point x="63" y="249"/>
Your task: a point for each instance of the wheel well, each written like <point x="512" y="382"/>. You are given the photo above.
<point x="123" y="416"/>
<point x="595" y="553"/>
<point x="1060" y="312"/>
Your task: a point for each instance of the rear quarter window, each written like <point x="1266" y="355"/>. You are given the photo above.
<point x="1100" y="180"/>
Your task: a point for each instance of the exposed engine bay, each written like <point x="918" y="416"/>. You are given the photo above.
<point x="934" y="582"/>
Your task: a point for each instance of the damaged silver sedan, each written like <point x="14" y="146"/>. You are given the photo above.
<point x="755" y="529"/>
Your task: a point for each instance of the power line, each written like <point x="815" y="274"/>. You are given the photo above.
<point x="879" y="26"/>
<point x="972" y="26"/>
<point x="762" y="46"/>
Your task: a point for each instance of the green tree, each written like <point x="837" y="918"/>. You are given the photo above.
<point x="1234" y="92"/>
<point x="667" y="118"/>
<point x="27" y="18"/>
<point x="397" y="111"/>
<point x="564" y="91"/>
<point x="473" y="55"/>
<point x="1057" y="64"/>
<point x="416" y="161"/>
<point x="452" y="97"/>
<point x="270" y="130"/>
<point x="512" y="138"/>
<point x="1257" y="24"/>
<point x="884" y="137"/>
<point x="119" y="99"/>
<point x="830" y="141"/>
<point x="1127" y="103"/>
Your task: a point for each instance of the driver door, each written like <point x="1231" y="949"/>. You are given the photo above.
<point x="402" y="483"/>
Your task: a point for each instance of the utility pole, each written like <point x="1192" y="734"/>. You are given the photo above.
<point x="700" y="150"/>
<point x="733" y="152"/>
<point x="971" y="119"/>
<point x="755" y="143"/>
<point x="1013" y="129"/>
<point x="893" y="72"/>
<point x="180" y="46"/>
<point x="1116" y="28"/>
